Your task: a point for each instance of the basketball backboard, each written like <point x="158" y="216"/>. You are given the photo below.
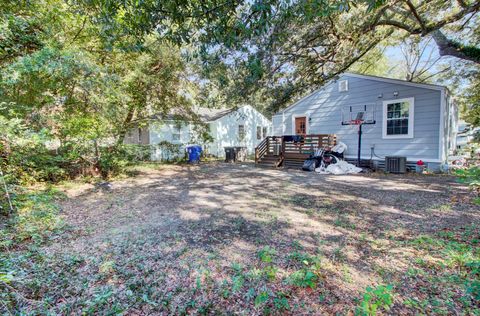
<point x="359" y="112"/>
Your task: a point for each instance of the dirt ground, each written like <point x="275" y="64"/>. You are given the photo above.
<point x="235" y="239"/>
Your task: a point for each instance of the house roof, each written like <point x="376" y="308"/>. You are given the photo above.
<point x="208" y="114"/>
<point x="203" y="114"/>
<point x="396" y="81"/>
<point x="368" y="77"/>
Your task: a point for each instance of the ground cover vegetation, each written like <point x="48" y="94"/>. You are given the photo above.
<point x="76" y="76"/>
<point x="186" y="247"/>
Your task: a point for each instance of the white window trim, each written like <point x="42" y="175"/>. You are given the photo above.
<point x="307" y="123"/>
<point x="176" y="130"/>
<point x="411" y="119"/>
<point x="244" y="132"/>
<point x="340" y="84"/>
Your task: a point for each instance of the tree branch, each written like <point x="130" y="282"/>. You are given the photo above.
<point x="448" y="47"/>
<point x="400" y="25"/>
<point x="413" y="10"/>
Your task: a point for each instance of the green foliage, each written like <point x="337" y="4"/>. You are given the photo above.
<point x="270" y="272"/>
<point x="305" y="259"/>
<point x="19" y="36"/>
<point x="36" y="218"/>
<point x="261" y="298"/>
<point x="281" y="302"/>
<point x="26" y="156"/>
<point x="470" y="176"/>
<point x="308" y="275"/>
<point x="266" y="254"/>
<point x="303" y="278"/>
<point x="67" y="103"/>
<point x="456" y="270"/>
<point x="376" y="299"/>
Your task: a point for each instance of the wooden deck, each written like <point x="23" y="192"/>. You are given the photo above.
<point x="284" y="151"/>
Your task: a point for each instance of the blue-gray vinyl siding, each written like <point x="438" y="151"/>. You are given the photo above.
<point x="324" y="109"/>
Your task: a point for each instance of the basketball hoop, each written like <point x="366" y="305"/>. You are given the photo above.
<point x="359" y="115"/>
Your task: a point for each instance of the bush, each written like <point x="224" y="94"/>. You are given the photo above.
<point x="114" y="160"/>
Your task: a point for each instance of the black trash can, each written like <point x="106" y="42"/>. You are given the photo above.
<point x="229" y="154"/>
<point x="233" y="154"/>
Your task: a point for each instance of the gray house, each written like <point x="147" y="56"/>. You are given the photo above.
<point x="413" y="120"/>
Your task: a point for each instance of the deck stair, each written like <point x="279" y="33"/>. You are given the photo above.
<point x="268" y="153"/>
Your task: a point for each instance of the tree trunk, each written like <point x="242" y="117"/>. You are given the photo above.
<point x="125" y="126"/>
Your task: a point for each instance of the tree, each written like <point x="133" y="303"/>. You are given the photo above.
<point x="65" y="82"/>
<point x="432" y="17"/>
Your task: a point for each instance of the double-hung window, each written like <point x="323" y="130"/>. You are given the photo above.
<point x="176" y="133"/>
<point x="241" y="132"/>
<point x="398" y="118"/>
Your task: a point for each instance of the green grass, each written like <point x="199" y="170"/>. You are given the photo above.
<point x="35" y="219"/>
<point x="447" y="272"/>
<point x="168" y="273"/>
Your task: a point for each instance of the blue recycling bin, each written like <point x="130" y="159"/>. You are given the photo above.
<point x="194" y="152"/>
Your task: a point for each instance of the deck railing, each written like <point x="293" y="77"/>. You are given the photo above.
<point x="267" y="147"/>
<point x="296" y="151"/>
<point x="293" y="148"/>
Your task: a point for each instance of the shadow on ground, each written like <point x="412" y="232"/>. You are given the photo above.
<point x="166" y="240"/>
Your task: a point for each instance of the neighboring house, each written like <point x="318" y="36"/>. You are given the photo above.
<point x="417" y="121"/>
<point x="243" y="126"/>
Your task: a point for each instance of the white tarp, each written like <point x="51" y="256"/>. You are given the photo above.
<point x="341" y="167"/>
<point x="339" y="148"/>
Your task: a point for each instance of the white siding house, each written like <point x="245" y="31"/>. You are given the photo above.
<point x="243" y="126"/>
<point x="414" y="120"/>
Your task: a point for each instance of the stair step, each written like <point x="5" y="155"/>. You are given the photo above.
<point x="268" y="159"/>
<point x="265" y="165"/>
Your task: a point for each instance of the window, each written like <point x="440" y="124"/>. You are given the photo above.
<point x="259" y="132"/>
<point x="176" y="133"/>
<point x="343" y="85"/>
<point x="264" y="132"/>
<point x="398" y="118"/>
<point x="139" y="135"/>
<point x="241" y="132"/>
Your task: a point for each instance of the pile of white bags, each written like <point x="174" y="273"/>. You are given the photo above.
<point x="341" y="167"/>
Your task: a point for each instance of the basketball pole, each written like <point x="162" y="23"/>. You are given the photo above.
<point x="359" y="151"/>
<point x="359" y="120"/>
